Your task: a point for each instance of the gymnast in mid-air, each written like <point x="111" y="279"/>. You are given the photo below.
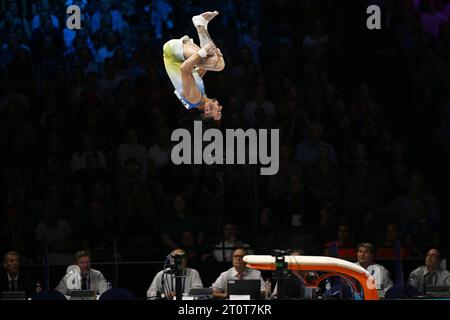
<point x="186" y="63"/>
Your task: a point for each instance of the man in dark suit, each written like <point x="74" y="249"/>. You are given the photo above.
<point x="11" y="279"/>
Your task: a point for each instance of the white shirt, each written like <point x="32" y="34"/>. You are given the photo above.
<point x="382" y="280"/>
<point x="158" y="156"/>
<point x="165" y="282"/>
<point x="221" y="282"/>
<point x="55" y="237"/>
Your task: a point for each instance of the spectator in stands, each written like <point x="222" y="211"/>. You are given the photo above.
<point x="163" y="284"/>
<point x="107" y="50"/>
<point x="259" y="101"/>
<point x="177" y="222"/>
<point x="17" y="223"/>
<point x="92" y="173"/>
<point x="138" y="211"/>
<point x="195" y="248"/>
<point x="323" y="178"/>
<point x="91" y="279"/>
<point x="158" y="154"/>
<point x="431" y="17"/>
<point x="309" y="150"/>
<point x="106" y="16"/>
<point x="239" y="271"/>
<point x="223" y="251"/>
<point x="422" y="230"/>
<point x="386" y="243"/>
<point x="55" y="234"/>
<point x="132" y="173"/>
<point x="44" y="9"/>
<point x="97" y="232"/>
<point x="345" y="242"/>
<point x="86" y="146"/>
<point x="12" y="279"/>
<point x="133" y="149"/>
<point x="431" y="273"/>
<point x="403" y="207"/>
<point x="365" y="255"/>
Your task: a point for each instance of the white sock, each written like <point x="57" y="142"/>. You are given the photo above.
<point x="200" y="21"/>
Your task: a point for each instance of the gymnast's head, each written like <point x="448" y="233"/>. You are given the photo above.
<point x="211" y="110"/>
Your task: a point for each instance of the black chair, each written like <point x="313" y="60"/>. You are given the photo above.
<point x="117" y="294"/>
<point x="48" y="295"/>
<point x="402" y="291"/>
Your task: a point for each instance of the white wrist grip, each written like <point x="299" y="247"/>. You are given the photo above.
<point x="202" y="52"/>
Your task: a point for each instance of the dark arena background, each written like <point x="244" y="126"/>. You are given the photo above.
<point x="86" y="118"/>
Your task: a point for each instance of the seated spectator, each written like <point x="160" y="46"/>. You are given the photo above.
<point x="259" y="101"/>
<point x="323" y="178"/>
<point x="159" y="153"/>
<point x="92" y="173"/>
<point x="177" y="222"/>
<point x="386" y="243"/>
<point x="138" y="211"/>
<point x="44" y="8"/>
<point x="308" y="151"/>
<point x="131" y="175"/>
<point x="106" y="12"/>
<point x="91" y="279"/>
<point x="315" y="45"/>
<point x="12" y="279"/>
<point x="431" y="17"/>
<point x="292" y="207"/>
<point x="345" y="243"/>
<point x="78" y="159"/>
<point x="431" y="273"/>
<point x="108" y="49"/>
<point x="132" y="149"/>
<point x="16" y="232"/>
<point x="194" y="248"/>
<point x="97" y="232"/>
<point x="365" y="256"/>
<point x="224" y="249"/>
<point x="239" y="271"/>
<point x="163" y="284"/>
<point x="170" y="181"/>
<point x="55" y="234"/>
<point x="279" y="183"/>
<point x="108" y="85"/>
<point x="422" y="231"/>
<point x="402" y="209"/>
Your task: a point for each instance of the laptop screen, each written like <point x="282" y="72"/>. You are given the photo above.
<point x="437" y="291"/>
<point x="81" y="293"/>
<point x="244" y="287"/>
<point x="14" y="295"/>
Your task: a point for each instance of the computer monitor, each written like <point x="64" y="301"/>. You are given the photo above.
<point x="14" y="295"/>
<point x="437" y="291"/>
<point x="82" y="295"/>
<point x="244" y="287"/>
<point x="201" y="292"/>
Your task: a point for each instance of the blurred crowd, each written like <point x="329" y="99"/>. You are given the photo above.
<point x="86" y="118"/>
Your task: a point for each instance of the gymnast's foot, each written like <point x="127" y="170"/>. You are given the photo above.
<point x="203" y="19"/>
